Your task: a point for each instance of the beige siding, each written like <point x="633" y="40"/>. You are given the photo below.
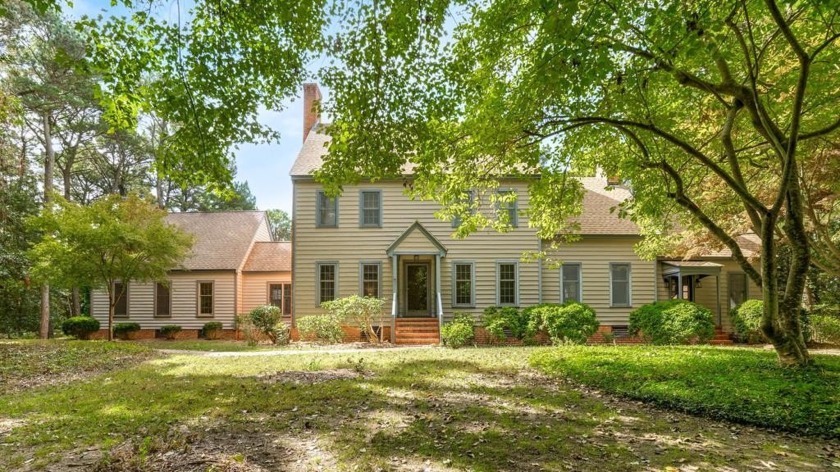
<point x="184" y="305"/>
<point x="706" y="293"/>
<point x="349" y="244"/>
<point x="595" y="254"/>
<point x="255" y="287"/>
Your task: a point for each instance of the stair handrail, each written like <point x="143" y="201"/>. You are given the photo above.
<point x="439" y="312"/>
<point x="393" y="317"/>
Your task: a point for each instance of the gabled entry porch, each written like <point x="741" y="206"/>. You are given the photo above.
<point x="416" y="307"/>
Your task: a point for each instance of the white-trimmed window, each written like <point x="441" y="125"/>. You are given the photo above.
<point x="620" y="283"/>
<point x="163" y="300"/>
<point x="206" y="297"/>
<point x="327" y="211"/>
<point x="121" y="295"/>
<point x="507" y="283"/>
<point x="327" y="281"/>
<point x="571" y="286"/>
<point x="510" y="208"/>
<point x="370" y="276"/>
<point x="463" y="284"/>
<point x="370" y="209"/>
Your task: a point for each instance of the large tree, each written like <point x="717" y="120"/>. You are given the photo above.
<point x="709" y="109"/>
<point x="281" y="225"/>
<point x="114" y="239"/>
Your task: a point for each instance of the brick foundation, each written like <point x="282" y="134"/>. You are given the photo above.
<point x="184" y="334"/>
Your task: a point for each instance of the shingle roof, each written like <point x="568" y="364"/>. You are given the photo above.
<point x="749" y="243"/>
<point x="270" y="256"/>
<point x="597" y="201"/>
<point x="311" y="155"/>
<point x="222" y="239"/>
<point x="600" y="215"/>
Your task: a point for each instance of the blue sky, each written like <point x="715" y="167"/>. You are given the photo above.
<point x="265" y="167"/>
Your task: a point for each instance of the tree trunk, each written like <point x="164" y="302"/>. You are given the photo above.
<point x="111" y="318"/>
<point x="49" y="161"/>
<point x="75" y="302"/>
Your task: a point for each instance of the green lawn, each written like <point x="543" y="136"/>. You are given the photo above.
<point x="435" y="409"/>
<point x="32" y="363"/>
<point x="742" y="385"/>
<point x="205" y="345"/>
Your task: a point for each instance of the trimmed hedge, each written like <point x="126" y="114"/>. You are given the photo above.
<point x="458" y="332"/>
<point x="170" y="331"/>
<point x="212" y="330"/>
<point x="672" y="322"/>
<point x="570" y="323"/>
<point x="501" y="321"/>
<point x="324" y="328"/>
<point x="125" y="328"/>
<point x="80" y="327"/>
<point x="746" y="321"/>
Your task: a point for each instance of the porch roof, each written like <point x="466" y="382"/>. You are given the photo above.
<point x="431" y="243"/>
<point x="683" y="268"/>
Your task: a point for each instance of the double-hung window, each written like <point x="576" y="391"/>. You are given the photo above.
<point x="327" y="281"/>
<point x="163" y="300"/>
<point x="280" y="295"/>
<point x="327" y="211"/>
<point x="371" y="273"/>
<point x="121" y="295"/>
<point x="507" y="283"/>
<point x="370" y="209"/>
<point x="620" y="285"/>
<point x="463" y="293"/>
<point x="737" y="289"/>
<point x="571" y="288"/>
<point x="507" y="207"/>
<point x="205" y="298"/>
<point x="467" y="200"/>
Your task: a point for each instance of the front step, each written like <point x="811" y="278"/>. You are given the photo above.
<point x="416" y="331"/>
<point x="721" y="339"/>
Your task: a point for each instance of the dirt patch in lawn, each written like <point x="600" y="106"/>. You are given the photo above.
<point x="313" y="377"/>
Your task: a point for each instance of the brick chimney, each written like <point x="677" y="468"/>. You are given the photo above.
<point x="311" y="107"/>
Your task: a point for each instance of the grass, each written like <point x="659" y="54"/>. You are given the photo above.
<point x="205" y="345"/>
<point x="33" y="363"/>
<point x="740" y="385"/>
<point x="438" y="409"/>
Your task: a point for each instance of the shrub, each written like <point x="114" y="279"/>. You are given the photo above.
<point x="124" y="330"/>
<point x="362" y="312"/>
<point x="746" y="321"/>
<point x="672" y="322"/>
<point x="458" y="332"/>
<point x="268" y="320"/>
<point x="245" y="326"/>
<point x="80" y="327"/>
<point x="325" y="328"/>
<point x="825" y="329"/>
<point x="571" y="323"/>
<point x="503" y="321"/>
<point x="170" y="331"/>
<point x="212" y="330"/>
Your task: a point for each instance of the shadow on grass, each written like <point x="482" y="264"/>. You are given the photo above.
<point x="440" y="412"/>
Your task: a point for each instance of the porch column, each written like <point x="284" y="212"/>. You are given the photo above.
<point x="720" y="314"/>
<point x="438" y="299"/>
<point x="395" y="306"/>
<point x="679" y="285"/>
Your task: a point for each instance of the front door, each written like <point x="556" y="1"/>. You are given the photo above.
<point x="417" y="290"/>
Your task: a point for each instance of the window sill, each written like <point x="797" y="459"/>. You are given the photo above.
<point x="370" y="226"/>
<point x="462" y="306"/>
<point x="205" y="316"/>
<point x="621" y="306"/>
<point x="162" y="317"/>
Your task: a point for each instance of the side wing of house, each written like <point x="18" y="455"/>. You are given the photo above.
<point x="191" y="299"/>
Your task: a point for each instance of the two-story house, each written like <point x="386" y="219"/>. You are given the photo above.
<point x="375" y="241"/>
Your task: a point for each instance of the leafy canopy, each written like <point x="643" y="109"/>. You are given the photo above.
<point x="113" y="238"/>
